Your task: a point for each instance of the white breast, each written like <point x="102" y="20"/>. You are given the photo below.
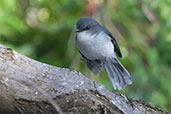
<point x="96" y="46"/>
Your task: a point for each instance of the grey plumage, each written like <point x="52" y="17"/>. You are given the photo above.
<point x="118" y="75"/>
<point x="95" y="66"/>
<point x="99" y="49"/>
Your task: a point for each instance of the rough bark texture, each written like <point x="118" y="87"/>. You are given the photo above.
<point x="27" y="85"/>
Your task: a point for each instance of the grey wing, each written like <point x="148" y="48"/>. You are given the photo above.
<point x="117" y="49"/>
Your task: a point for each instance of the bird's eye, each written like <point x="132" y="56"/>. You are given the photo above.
<point x="87" y="28"/>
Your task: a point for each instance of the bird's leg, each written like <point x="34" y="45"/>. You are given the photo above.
<point x="83" y="60"/>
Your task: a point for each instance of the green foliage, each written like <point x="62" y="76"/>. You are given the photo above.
<point x="43" y="30"/>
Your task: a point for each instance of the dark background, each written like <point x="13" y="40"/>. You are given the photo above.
<point x="44" y="30"/>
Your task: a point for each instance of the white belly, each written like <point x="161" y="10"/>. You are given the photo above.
<point x="96" y="46"/>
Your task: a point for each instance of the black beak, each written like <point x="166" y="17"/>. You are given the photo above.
<point x="77" y="30"/>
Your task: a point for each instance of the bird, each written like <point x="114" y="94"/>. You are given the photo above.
<point x="99" y="49"/>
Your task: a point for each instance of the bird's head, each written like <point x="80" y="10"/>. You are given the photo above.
<point x="85" y="23"/>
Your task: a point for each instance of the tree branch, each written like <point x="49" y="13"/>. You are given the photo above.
<point x="31" y="87"/>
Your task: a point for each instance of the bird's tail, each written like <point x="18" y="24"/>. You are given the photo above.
<point x="118" y="75"/>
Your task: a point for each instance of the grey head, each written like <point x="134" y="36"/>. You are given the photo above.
<point x="86" y="23"/>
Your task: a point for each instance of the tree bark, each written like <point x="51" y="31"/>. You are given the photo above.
<point x="31" y="87"/>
